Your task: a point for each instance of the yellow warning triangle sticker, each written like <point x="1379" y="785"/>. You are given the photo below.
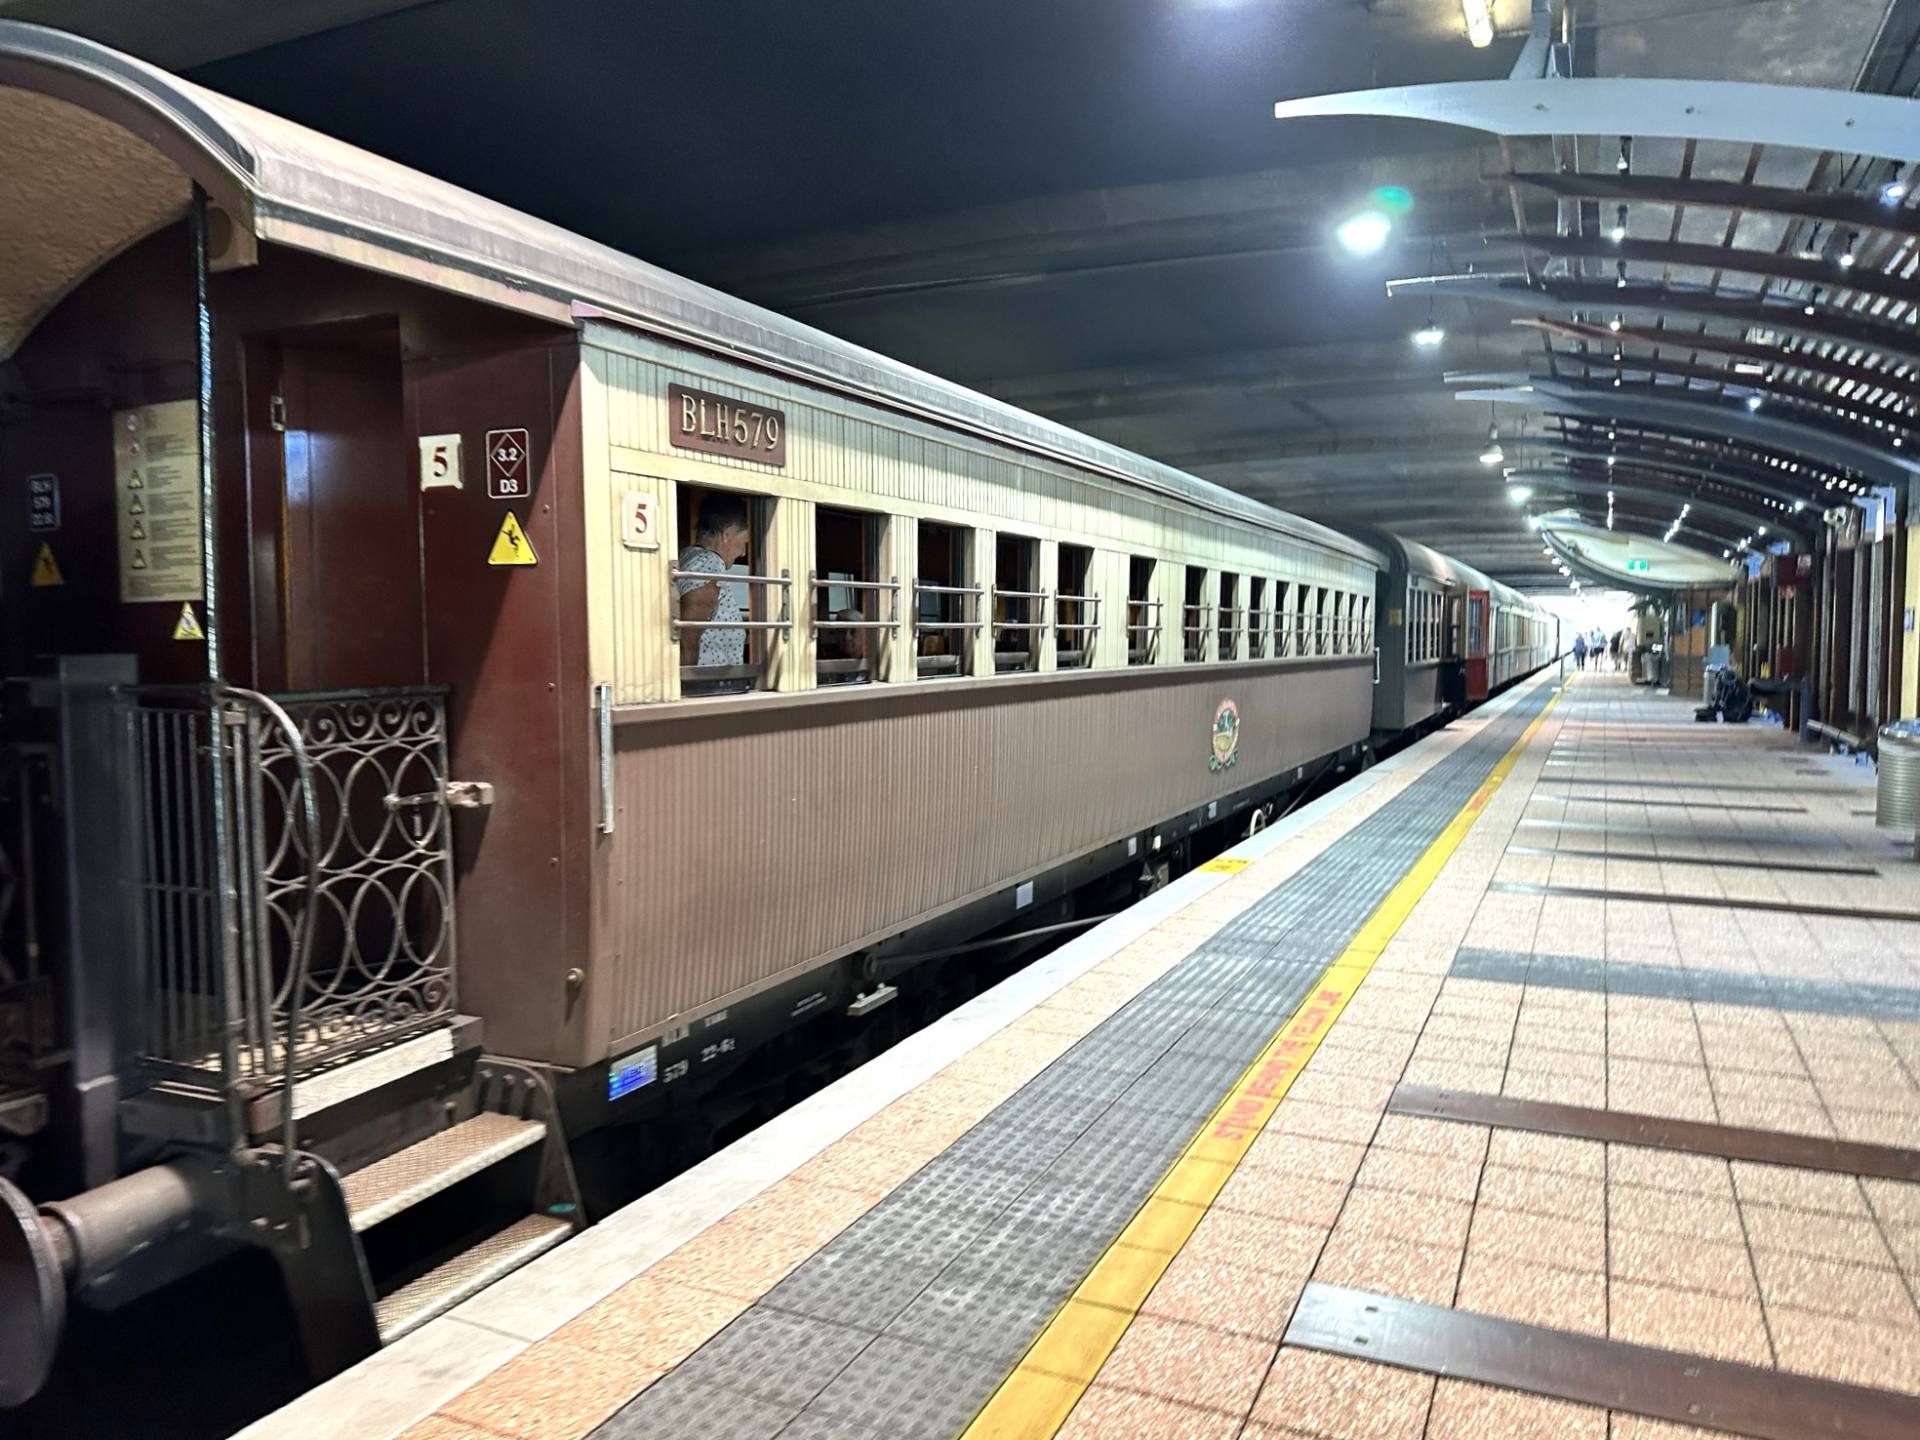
<point x="187" y="627"/>
<point x="46" y="570"/>
<point x="511" y="546"/>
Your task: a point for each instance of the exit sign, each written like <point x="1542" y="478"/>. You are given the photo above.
<point x="1639" y="566"/>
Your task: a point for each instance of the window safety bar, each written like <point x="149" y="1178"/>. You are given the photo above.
<point x="922" y="588"/>
<point x="1039" y="623"/>
<point x="1145" y="627"/>
<point x="891" y="587"/>
<point x="709" y="577"/>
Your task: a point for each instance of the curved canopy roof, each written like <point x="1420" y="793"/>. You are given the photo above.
<point x="1726" y="302"/>
<point x="112" y="147"/>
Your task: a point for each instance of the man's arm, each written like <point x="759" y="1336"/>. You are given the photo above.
<point x="696" y="603"/>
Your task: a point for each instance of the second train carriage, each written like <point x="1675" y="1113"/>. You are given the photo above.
<point x="443" y="832"/>
<point x="1449" y="637"/>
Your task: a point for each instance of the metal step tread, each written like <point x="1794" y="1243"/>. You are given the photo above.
<point x="467" y="1274"/>
<point x="386" y="1187"/>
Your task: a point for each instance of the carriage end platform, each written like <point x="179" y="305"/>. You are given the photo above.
<point x="1559" y="1076"/>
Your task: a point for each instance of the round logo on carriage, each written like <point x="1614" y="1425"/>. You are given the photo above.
<point x="1226" y="736"/>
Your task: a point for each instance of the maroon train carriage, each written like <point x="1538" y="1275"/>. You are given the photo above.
<point x="471" y="690"/>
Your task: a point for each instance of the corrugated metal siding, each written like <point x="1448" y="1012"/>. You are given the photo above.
<point x="756" y="839"/>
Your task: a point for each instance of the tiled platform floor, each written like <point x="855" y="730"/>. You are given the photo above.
<point x="1637" y="1001"/>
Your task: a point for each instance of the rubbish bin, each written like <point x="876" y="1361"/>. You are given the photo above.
<point x="1897" y="797"/>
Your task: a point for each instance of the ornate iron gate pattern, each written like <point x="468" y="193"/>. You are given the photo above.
<point x="224" y="985"/>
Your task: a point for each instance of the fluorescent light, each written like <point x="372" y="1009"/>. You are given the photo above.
<point x="1479" y="17"/>
<point x="1429" y="335"/>
<point x="1365" y="233"/>
<point x="1749" y="367"/>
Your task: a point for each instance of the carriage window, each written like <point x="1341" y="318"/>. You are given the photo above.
<point x="854" y="607"/>
<point x="1077" y="621"/>
<point x="1283" y="623"/>
<point x="1320" y="619"/>
<point x="1194" y="615"/>
<point x="1366" y="624"/>
<point x="1231" y="616"/>
<point x="946" y="610"/>
<point x="1019" y="604"/>
<point x="1143" y="612"/>
<point x="1256" y="618"/>
<point x="722" y="625"/>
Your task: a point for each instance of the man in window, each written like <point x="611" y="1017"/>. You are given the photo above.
<point x="719" y="539"/>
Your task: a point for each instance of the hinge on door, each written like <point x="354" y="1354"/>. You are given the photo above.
<point x="277" y="411"/>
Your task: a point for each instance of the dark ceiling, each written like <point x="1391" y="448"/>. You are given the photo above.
<point x="1083" y="206"/>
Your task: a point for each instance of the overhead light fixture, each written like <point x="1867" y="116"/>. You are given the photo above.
<point x="1749" y="367"/>
<point x="1619" y="231"/>
<point x="1846" y="255"/>
<point x="1620" y="272"/>
<point x="1614" y="323"/>
<point x="1493" y="454"/>
<point x="1519" y="494"/>
<point x="1429" y="335"/>
<point x="1753" y="402"/>
<point x="1479" y="18"/>
<point x="1812" y="301"/>
<point x="1625" y="162"/>
<point x="1610" y="461"/>
<point x="1533" y="522"/>
<point x="1895" y="190"/>
<point x="1365" y="233"/>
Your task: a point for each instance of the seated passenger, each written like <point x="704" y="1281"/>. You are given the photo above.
<point x="719" y="540"/>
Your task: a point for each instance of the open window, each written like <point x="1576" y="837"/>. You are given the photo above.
<point x="1019" y="604"/>
<point x="1256" y="618"/>
<point x="1143" y="612"/>
<point x="1077" y="617"/>
<point x="946" y="610"/>
<point x="1283" y="621"/>
<point x="1194" y="615"/>
<point x="854" y="607"/>
<point x="723" y="608"/>
<point x="1231" y="616"/>
<point x="1320" y="620"/>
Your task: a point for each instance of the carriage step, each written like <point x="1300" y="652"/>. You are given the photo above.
<point x="386" y="1187"/>
<point x="467" y="1274"/>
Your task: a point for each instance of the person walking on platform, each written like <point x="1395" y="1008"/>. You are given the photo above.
<point x="1579" y="651"/>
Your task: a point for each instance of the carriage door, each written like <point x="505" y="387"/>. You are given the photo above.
<point x="337" y="605"/>
<point x="1479" y="613"/>
<point x="339" y="639"/>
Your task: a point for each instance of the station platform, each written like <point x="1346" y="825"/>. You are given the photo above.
<point x="1559" y="1076"/>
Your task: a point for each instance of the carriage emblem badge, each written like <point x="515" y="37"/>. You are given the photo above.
<point x="1226" y="736"/>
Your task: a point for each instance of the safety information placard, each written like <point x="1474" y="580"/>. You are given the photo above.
<point x="156" y="481"/>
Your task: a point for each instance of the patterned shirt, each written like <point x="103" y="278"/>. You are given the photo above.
<point x="718" y="644"/>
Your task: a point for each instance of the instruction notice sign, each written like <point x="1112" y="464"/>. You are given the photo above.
<point x="156" y="481"/>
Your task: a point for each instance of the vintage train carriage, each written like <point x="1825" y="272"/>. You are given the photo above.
<point x="1449" y="637"/>
<point x="362" y="688"/>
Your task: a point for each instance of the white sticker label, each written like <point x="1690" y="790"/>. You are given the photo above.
<point x="439" y="462"/>
<point x="638" y="530"/>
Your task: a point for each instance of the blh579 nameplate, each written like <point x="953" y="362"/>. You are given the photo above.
<point x="721" y="425"/>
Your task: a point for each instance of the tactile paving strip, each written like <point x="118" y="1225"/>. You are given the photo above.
<point x="906" y="1323"/>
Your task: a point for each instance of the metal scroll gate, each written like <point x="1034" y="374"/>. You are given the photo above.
<point x="295" y="879"/>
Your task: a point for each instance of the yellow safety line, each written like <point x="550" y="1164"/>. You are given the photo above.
<point x="1034" y="1401"/>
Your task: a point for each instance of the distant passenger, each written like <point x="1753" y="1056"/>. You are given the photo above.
<point x="719" y="539"/>
<point x="1579" y="651"/>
